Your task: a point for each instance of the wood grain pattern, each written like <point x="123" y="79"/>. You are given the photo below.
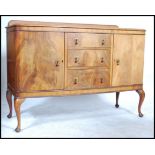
<point x="89" y="78"/>
<point x="129" y="31"/>
<point x="37" y="24"/>
<point x="87" y="40"/>
<point x="86" y="58"/>
<point x="123" y="53"/>
<point x="128" y="58"/>
<point x="78" y="91"/>
<point x="57" y="59"/>
<point x="59" y="25"/>
<point x="40" y="60"/>
<point x="111" y="59"/>
<point x="11" y="56"/>
<point x="137" y="59"/>
<point x="74" y="30"/>
<point x="66" y="60"/>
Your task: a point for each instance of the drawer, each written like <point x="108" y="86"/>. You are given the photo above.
<point x="87" y="78"/>
<point x="86" y="58"/>
<point x="85" y="40"/>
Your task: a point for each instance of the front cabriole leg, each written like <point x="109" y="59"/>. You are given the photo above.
<point x="9" y="100"/>
<point x="17" y="104"/>
<point x="141" y="99"/>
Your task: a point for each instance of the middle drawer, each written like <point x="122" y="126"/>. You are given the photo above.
<point x="89" y="58"/>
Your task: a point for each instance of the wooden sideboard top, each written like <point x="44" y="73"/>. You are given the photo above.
<point x="19" y="23"/>
<point x="59" y="25"/>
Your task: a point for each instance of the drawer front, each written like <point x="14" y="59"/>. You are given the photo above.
<point x="89" y="78"/>
<point x="86" y="58"/>
<point x="85" y="40"/>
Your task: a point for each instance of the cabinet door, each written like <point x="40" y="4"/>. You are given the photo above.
<point x="128" y="60"/>
<point x="39" y="60"/>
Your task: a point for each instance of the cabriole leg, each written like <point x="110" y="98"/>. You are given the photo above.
<point x="17" y="105"/>
<point x="117" y="97"/>
<point x="9" y="100"/>
<point x="141" y="99"/>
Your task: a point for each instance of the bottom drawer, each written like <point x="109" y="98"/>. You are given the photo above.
<point x="87" y="78"/>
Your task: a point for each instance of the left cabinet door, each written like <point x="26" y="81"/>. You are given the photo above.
<point x="39" y="61"/>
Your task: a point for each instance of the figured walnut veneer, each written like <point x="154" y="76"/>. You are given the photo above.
<point x="56" y="59"/>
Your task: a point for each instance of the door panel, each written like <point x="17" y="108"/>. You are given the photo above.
<point x="128" y="58"/>
<point x="138" y="59"/>
<point x="40" y="57"/>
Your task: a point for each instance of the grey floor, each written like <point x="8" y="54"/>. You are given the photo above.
<point x="86" y="116"/>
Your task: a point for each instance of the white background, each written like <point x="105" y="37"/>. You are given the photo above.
<point x="105" y="7"/>
<point x="78" y="147"/>
<point x="126" y="22"/>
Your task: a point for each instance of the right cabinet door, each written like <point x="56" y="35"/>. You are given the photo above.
<point x="128" y="60"/>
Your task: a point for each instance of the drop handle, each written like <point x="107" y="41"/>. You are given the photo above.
<point x="76" y="41"/>
<point x="117" y="62"/>
<point x="103" y="42"/>
<point x="57" y="63"/>
<point x="102" y="60"/>
<point x="76" y="60"/>
<point x="101" y="80"/>
<point x="75" y="80"/>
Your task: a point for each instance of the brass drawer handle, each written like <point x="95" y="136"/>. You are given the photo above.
<point x="76" y="41"/>
<point x="101" y="80"/>
<point x="75" y="80"/>
<point x="103" y="42"/>
<point x="102" y="60"/>
<point x="76" y="60"/>
<point x="57" y="63"/>
<point x="118" y="62"/>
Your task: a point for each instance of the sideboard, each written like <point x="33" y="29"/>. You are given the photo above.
<point x="56" y="59"/>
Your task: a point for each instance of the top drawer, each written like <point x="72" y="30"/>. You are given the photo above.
<point x="86" y="40"/>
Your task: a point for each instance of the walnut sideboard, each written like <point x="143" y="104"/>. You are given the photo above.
<point x="56" y="59"/>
